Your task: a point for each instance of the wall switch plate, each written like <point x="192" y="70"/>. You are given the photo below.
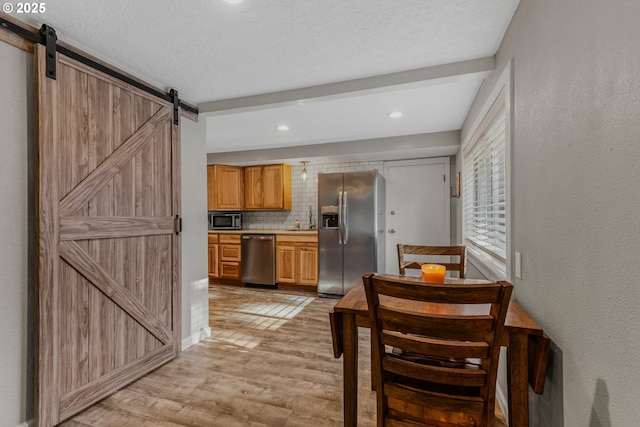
<point x="518" y="265"/>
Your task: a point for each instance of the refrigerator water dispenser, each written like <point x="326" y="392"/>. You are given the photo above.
<point x="329" y="216"/>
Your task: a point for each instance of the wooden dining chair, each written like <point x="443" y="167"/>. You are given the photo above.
<point x="445" y="375"/>
<point x="433" y="251"/>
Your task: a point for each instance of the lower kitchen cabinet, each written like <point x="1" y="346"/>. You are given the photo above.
<point x="224" y="256"/>
<point x="307" y="265"/>
<point x="229" y="256"/>
<point x="297" y="260"/>
<point x="285" y="263"/>
<point x="213" y="256"/>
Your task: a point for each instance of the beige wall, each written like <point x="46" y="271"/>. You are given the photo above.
<point x="575" y="198"/>
<point x="16" y="229"/>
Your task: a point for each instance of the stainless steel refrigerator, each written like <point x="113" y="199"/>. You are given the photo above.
<point x="351" y="229"/>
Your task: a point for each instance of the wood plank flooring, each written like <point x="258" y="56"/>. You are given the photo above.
<point x="268" y="363"/>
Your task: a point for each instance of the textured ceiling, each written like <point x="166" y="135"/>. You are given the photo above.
<point x="211" y="50"/>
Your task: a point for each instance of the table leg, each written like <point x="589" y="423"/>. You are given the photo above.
<point x="350" y="370"/>
<point x="518" y="376"/>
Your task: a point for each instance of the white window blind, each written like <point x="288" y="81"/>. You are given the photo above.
<point x="483" y="192"/>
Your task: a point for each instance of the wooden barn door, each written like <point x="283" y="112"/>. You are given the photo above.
<point x="108" y="296"/>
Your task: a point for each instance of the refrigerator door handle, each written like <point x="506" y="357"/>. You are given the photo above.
<point x="340" y="225"/>
<point x="345" y="218"/>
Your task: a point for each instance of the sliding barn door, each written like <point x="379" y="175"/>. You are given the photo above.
<point x="108" y="305"/>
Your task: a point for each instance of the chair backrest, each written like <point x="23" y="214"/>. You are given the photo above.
<point x="446" y="342"/>
<point x="456" y="251"/>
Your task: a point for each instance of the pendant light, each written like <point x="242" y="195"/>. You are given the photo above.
<point x="305" y="174"/>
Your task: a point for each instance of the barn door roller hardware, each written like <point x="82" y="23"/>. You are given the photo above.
<point x="176" y="106"/>
<point x="49" y="38"/>
<point x="46" y="37"/>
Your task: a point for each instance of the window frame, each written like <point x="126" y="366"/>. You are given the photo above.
<point x="500" y="95"/>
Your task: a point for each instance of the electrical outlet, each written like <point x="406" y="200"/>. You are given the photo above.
<point x="518" y="265"/>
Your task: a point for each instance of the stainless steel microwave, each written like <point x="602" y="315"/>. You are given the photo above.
<point x="225" y="221"/>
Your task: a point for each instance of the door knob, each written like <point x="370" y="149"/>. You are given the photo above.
<point x="391" y="231"/>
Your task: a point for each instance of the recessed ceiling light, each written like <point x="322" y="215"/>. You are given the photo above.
<point x="394" y="114"/>
<point x="283" y="127"/>
<point x="233" y="1"/>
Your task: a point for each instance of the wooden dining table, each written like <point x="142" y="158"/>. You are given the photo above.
<point x="527" y="350"/>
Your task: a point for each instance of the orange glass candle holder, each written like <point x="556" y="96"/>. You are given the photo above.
<point x="433" y="273"/>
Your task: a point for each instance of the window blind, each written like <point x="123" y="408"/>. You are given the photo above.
<point x="484" y="195"/>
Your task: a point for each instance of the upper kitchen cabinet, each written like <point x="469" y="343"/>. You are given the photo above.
<point x="253" y="187"/>
<point x="267" y="187"/>
<point x="225" y="187"/>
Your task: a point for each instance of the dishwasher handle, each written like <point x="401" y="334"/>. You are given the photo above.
<point x="257" y="237"/>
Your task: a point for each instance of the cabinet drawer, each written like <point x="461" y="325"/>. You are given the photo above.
<point x="296" y="239"/>
<point x="213" y="239"/>
<point x="230" y="238"/>
<point x="229" y="270"/>
<point x="230" y="252"/>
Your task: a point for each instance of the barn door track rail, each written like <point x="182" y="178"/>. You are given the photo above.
<point x="47" y="37"/>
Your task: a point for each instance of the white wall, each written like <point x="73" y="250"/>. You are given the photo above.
<point x="16" y="265"/>
<point x="195" y="278"/>
<point x="575" y="197"/>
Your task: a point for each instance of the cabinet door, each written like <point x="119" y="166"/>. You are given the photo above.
<point x="273" y="185"/>
<point x="276" y="192"/>
<point x="285" y="264"/>
<point x="211" y="188"/>
<point x="307" y="265"/>
<point x="226" y="182"/>
<point x="253" y="185"/>
<point x="213" y="260"/>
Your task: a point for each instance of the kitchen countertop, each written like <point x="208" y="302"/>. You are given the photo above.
<point x="301" y="232"/>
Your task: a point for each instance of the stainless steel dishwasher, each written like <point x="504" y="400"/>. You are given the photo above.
<point x="259" y="259"/>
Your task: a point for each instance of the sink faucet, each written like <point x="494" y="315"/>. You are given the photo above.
<point x="311" y="225"/>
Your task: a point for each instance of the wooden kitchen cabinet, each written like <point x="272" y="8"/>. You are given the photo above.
<point x="297" y="260"/>
<point x="276" y="192"/>
<point x="267" y="187"/>
<point x="307" y="262"/>
<point x="253" y="187"/>
<point x="225" y="189"/>
<point x="229" y="256"/>
<point x="213" y="256"/>
<point x="285" y="263"/>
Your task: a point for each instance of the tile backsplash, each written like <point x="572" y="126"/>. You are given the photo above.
<point x="304" y="195"/>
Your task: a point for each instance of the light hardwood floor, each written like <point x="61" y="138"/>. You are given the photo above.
<point x="268" y="363"/>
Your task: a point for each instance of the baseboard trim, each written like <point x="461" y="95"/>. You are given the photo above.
<point x="196" y="337"/>
<point x="28" y="423"/>
<point x="503" y="403"/>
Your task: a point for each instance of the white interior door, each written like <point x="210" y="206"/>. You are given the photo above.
<point x="417" y="211"/>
